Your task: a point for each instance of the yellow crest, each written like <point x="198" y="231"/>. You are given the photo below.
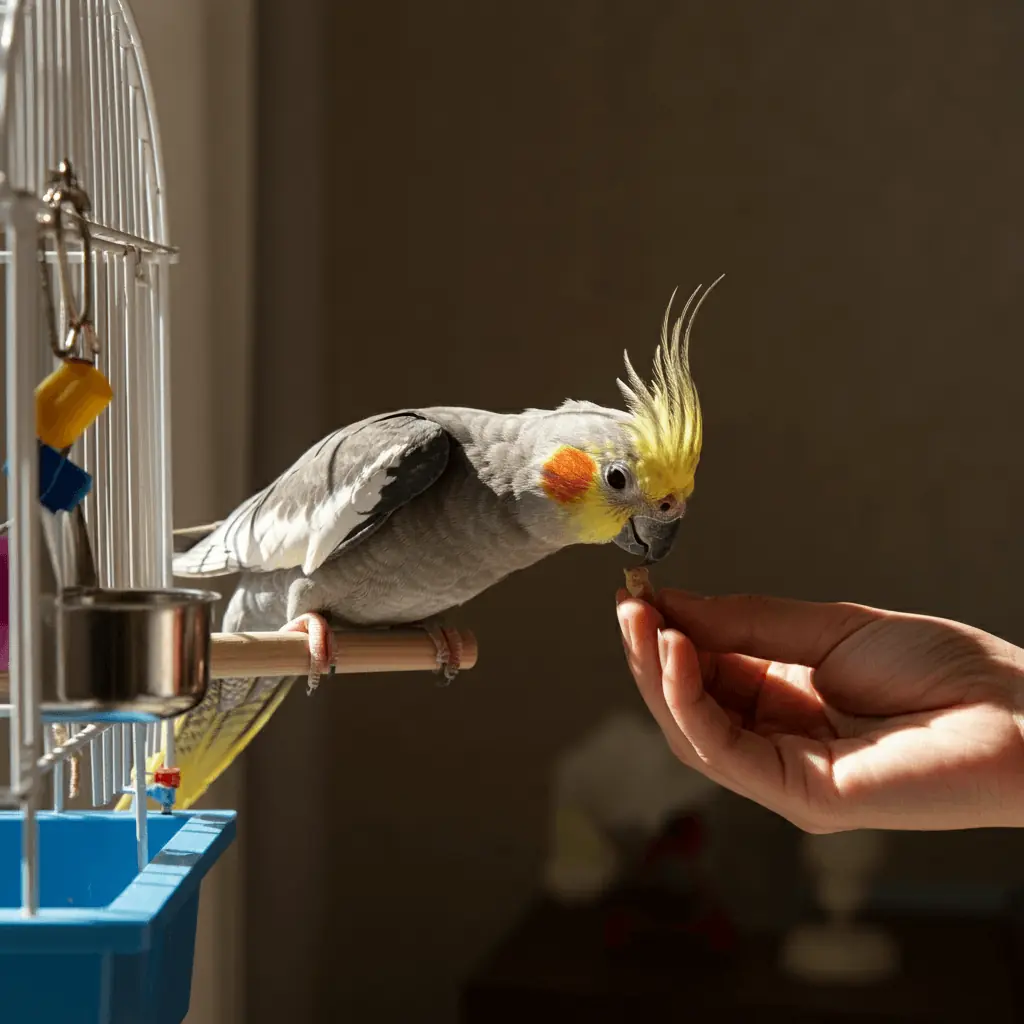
<point x="666" y="416"/>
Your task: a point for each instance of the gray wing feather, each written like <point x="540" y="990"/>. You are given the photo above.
<point x="336" y="495"/>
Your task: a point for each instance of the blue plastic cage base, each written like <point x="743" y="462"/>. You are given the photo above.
<point x="110" y="944"/>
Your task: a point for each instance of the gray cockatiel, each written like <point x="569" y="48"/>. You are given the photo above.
<point x="400" y="517"/>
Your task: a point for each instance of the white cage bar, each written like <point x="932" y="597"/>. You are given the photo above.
<point x="74" y="87"/>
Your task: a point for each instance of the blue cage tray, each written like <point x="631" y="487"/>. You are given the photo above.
<point x="110" y="944"/>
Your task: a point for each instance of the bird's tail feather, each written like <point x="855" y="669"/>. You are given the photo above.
<point x="212" y="735"/>
<point x="187" y="537"/>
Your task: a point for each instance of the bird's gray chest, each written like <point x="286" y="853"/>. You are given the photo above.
<point x="443" y="548"/>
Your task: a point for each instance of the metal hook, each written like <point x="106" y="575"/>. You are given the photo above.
<point x="64" y="188"/>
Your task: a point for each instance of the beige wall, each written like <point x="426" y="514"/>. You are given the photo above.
<point x="201" y="60"/>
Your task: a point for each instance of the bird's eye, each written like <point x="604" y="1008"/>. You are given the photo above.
<point x="616" y="478"/>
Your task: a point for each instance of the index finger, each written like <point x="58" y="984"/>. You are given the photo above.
<point x="772" y="628"/>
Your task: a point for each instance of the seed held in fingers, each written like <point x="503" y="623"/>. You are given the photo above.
<point x="638" y="583"/>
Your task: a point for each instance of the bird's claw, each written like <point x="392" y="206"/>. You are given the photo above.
<point x="449" y="651"/>
<point x="321" y="646"/>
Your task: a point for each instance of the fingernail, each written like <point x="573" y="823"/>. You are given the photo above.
<point x="662" y="647"/>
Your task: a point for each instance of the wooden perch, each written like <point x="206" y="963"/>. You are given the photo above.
<point x="246" y="655"/>
<point x="243" y="655"/>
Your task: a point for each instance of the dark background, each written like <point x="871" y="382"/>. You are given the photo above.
<point x="484" y="204"/>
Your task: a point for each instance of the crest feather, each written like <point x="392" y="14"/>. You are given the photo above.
<point x="666" y="414"/>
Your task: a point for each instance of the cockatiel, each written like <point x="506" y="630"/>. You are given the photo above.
<point x="400" y="517"/>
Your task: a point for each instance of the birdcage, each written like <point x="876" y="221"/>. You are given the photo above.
<point x="97" y="909"/>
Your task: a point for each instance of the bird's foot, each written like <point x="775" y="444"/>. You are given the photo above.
<point x="321" y="645"/>
<point x="449" y="649"/>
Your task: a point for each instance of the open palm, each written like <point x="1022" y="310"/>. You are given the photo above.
<point x="836" y="716"/>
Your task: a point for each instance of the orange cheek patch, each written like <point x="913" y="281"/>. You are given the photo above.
<point x="568" y="474"/>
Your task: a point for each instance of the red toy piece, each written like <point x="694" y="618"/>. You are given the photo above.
<point x="167" y="777"/>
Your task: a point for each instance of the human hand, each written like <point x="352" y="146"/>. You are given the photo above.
<point x="835" y="716"/>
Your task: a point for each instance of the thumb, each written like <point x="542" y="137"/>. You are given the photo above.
<point x="772" y="628"/>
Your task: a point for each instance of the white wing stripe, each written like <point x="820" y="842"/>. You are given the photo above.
<point x="347" y="508"/>
<point x="307" y="536"/>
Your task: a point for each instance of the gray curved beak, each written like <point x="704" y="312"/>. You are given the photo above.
<point x="651" y="539"/>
